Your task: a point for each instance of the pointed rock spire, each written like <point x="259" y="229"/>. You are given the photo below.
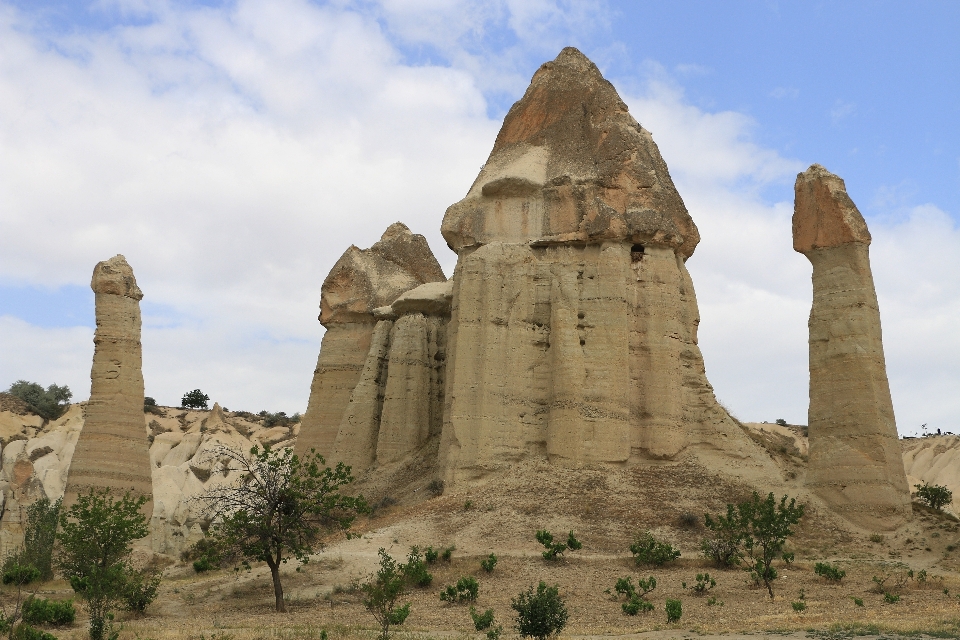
<point x="570" y="164"/>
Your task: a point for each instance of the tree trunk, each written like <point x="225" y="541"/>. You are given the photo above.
<point x="277" y="587"/>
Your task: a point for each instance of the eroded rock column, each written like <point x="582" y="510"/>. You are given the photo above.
<point x="855" y="460"/>
<point x="112" y="451"/>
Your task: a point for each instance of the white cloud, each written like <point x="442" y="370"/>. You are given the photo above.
<point x="841" y="110"/>
<point x="232" y="155"/>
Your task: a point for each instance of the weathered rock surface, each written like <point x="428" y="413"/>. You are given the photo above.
<point x="113" y="451"/>
<point x="35" y="463"/>
<point x="570" y="164"/>
<point x="361" y="281"/>
<point x="573" y="327"/>
<point x="855" y="459"/>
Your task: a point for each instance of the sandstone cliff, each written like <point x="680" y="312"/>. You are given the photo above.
<point x="855" y="459"/>
<point x="112" y="451"/>
<point x="362" y="280"/>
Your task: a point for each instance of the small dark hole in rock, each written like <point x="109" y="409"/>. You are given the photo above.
<point x="637" y="248"/>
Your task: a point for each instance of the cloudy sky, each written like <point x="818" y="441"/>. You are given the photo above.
<point x="232" y="150"/>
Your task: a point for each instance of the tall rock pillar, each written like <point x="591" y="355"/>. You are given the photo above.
<point x="113" y="451"/>
<point x="855" y="460"/>
<point x="362" y="280"/>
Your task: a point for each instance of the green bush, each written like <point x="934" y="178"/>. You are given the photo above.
<point x="39" y="535"/>
<point x="935" y="495"/>
<point x="416" y="569"/>
<point x="674" y="610"/>
<point x="830" y="572"/>
<point x="858" y="601"/>
<point x="466" y="590"/>
<point x="431" y="555"/>
<point x="447" y="554"/>
<point x="26" y="632"/>
<point x="48" y="612"/>
<point x="49" y="403"/>
<point x="195" y="399"/>
<point x="703" y="584"/>
<point x="481" y="621"/>
<point x="725" y="546"/>
<point x="556" y="549"/>
<point x="382" y="593"/>
<point x="488" y="563"/>
<point x="140" y="590"/>
<point x="541" y="613"/>
<point x="647" y="550"/>
<point x="799" y="606"/>
<point x="19" y="574"/>
<point x="635" y="595"/>
<point x="781" y="422"/>
<point x="891" y="598"/>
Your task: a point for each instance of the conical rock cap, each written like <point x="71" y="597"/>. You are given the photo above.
<point x="570" y="164"/>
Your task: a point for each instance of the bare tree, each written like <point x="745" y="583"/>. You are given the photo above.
<point x="279" y="506"/>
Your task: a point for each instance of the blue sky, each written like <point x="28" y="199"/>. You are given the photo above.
<point x="233" y="150"/>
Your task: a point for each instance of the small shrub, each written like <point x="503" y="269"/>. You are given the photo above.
<point x="858" y="601"/>
<point x="447" y="554"/>
<point x="635" y="595"/>
<point x="382" y="593"/>
<point x="431" y="555"/>
<point x="876" y="538"/>
<point x="781" y="422"/>
<point x="435" y="488"/>
<point x="830" y="572"/>
<point x="48" y="612"/>
<point x="799" y="606"/>
<point x="674" y="610"/>
<point x="689" y="520"/>
<point x="26" y="632"/>
<point x="415" y="570"/>
<point x="466" y="590"/>
<point x="935" y="495"/>
<point x="195" y="399"/>
<point x="891" y="598"/>
<point x="467" y="505"/>
<point x="555" y="549"/>
<point x="481" y="621"/>
<point x="140" y="590"/>
<point x="713" y="602"/>
<point x="541" y="613"/>
<point x="19" y="574"/>
<point x="703" y="584"/>
<point x="149" y="402"/>
<point x="725" y="546"/>
<point x="787" y="557"/>
<point x="647" y="550"/>
<point x="488" y="563"/>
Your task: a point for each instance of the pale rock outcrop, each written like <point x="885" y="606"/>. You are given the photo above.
<point x="113" y="451"/>
<point x="361" y="281"/>
<point x="573" y="323"/>
<point x="34" y="463"/>
<point x="856" y="464"/>
<point x="397" y="406"/>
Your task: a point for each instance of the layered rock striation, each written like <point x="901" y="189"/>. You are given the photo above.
<point x="855" y="459"/>
<point x="112" y="451"/>
<point x="569" y="329"/>
<point x="573" y="331"/>
<point x="361" y="281"/>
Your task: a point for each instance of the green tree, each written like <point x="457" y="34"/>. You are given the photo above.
<point x="195" y="399"/>
<point x="766" y="527"/>
<point x="95" y="542"/>
<point x="49" y="403"/>
<point x="541" y="613"/>
<point x="383" y="591"/>
<point x="556" y="549"/>
<point x="280" y="506"/>
<point x="725" y="546"/>
<point x="935" y="495"/>
<point x="40" y="534"/>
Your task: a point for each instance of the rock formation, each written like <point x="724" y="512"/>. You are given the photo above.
<point x="361" y="281"/>
<point x="574" y="319"/>
<point x="113" y="451"/>
<point x="855" y="459"/>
